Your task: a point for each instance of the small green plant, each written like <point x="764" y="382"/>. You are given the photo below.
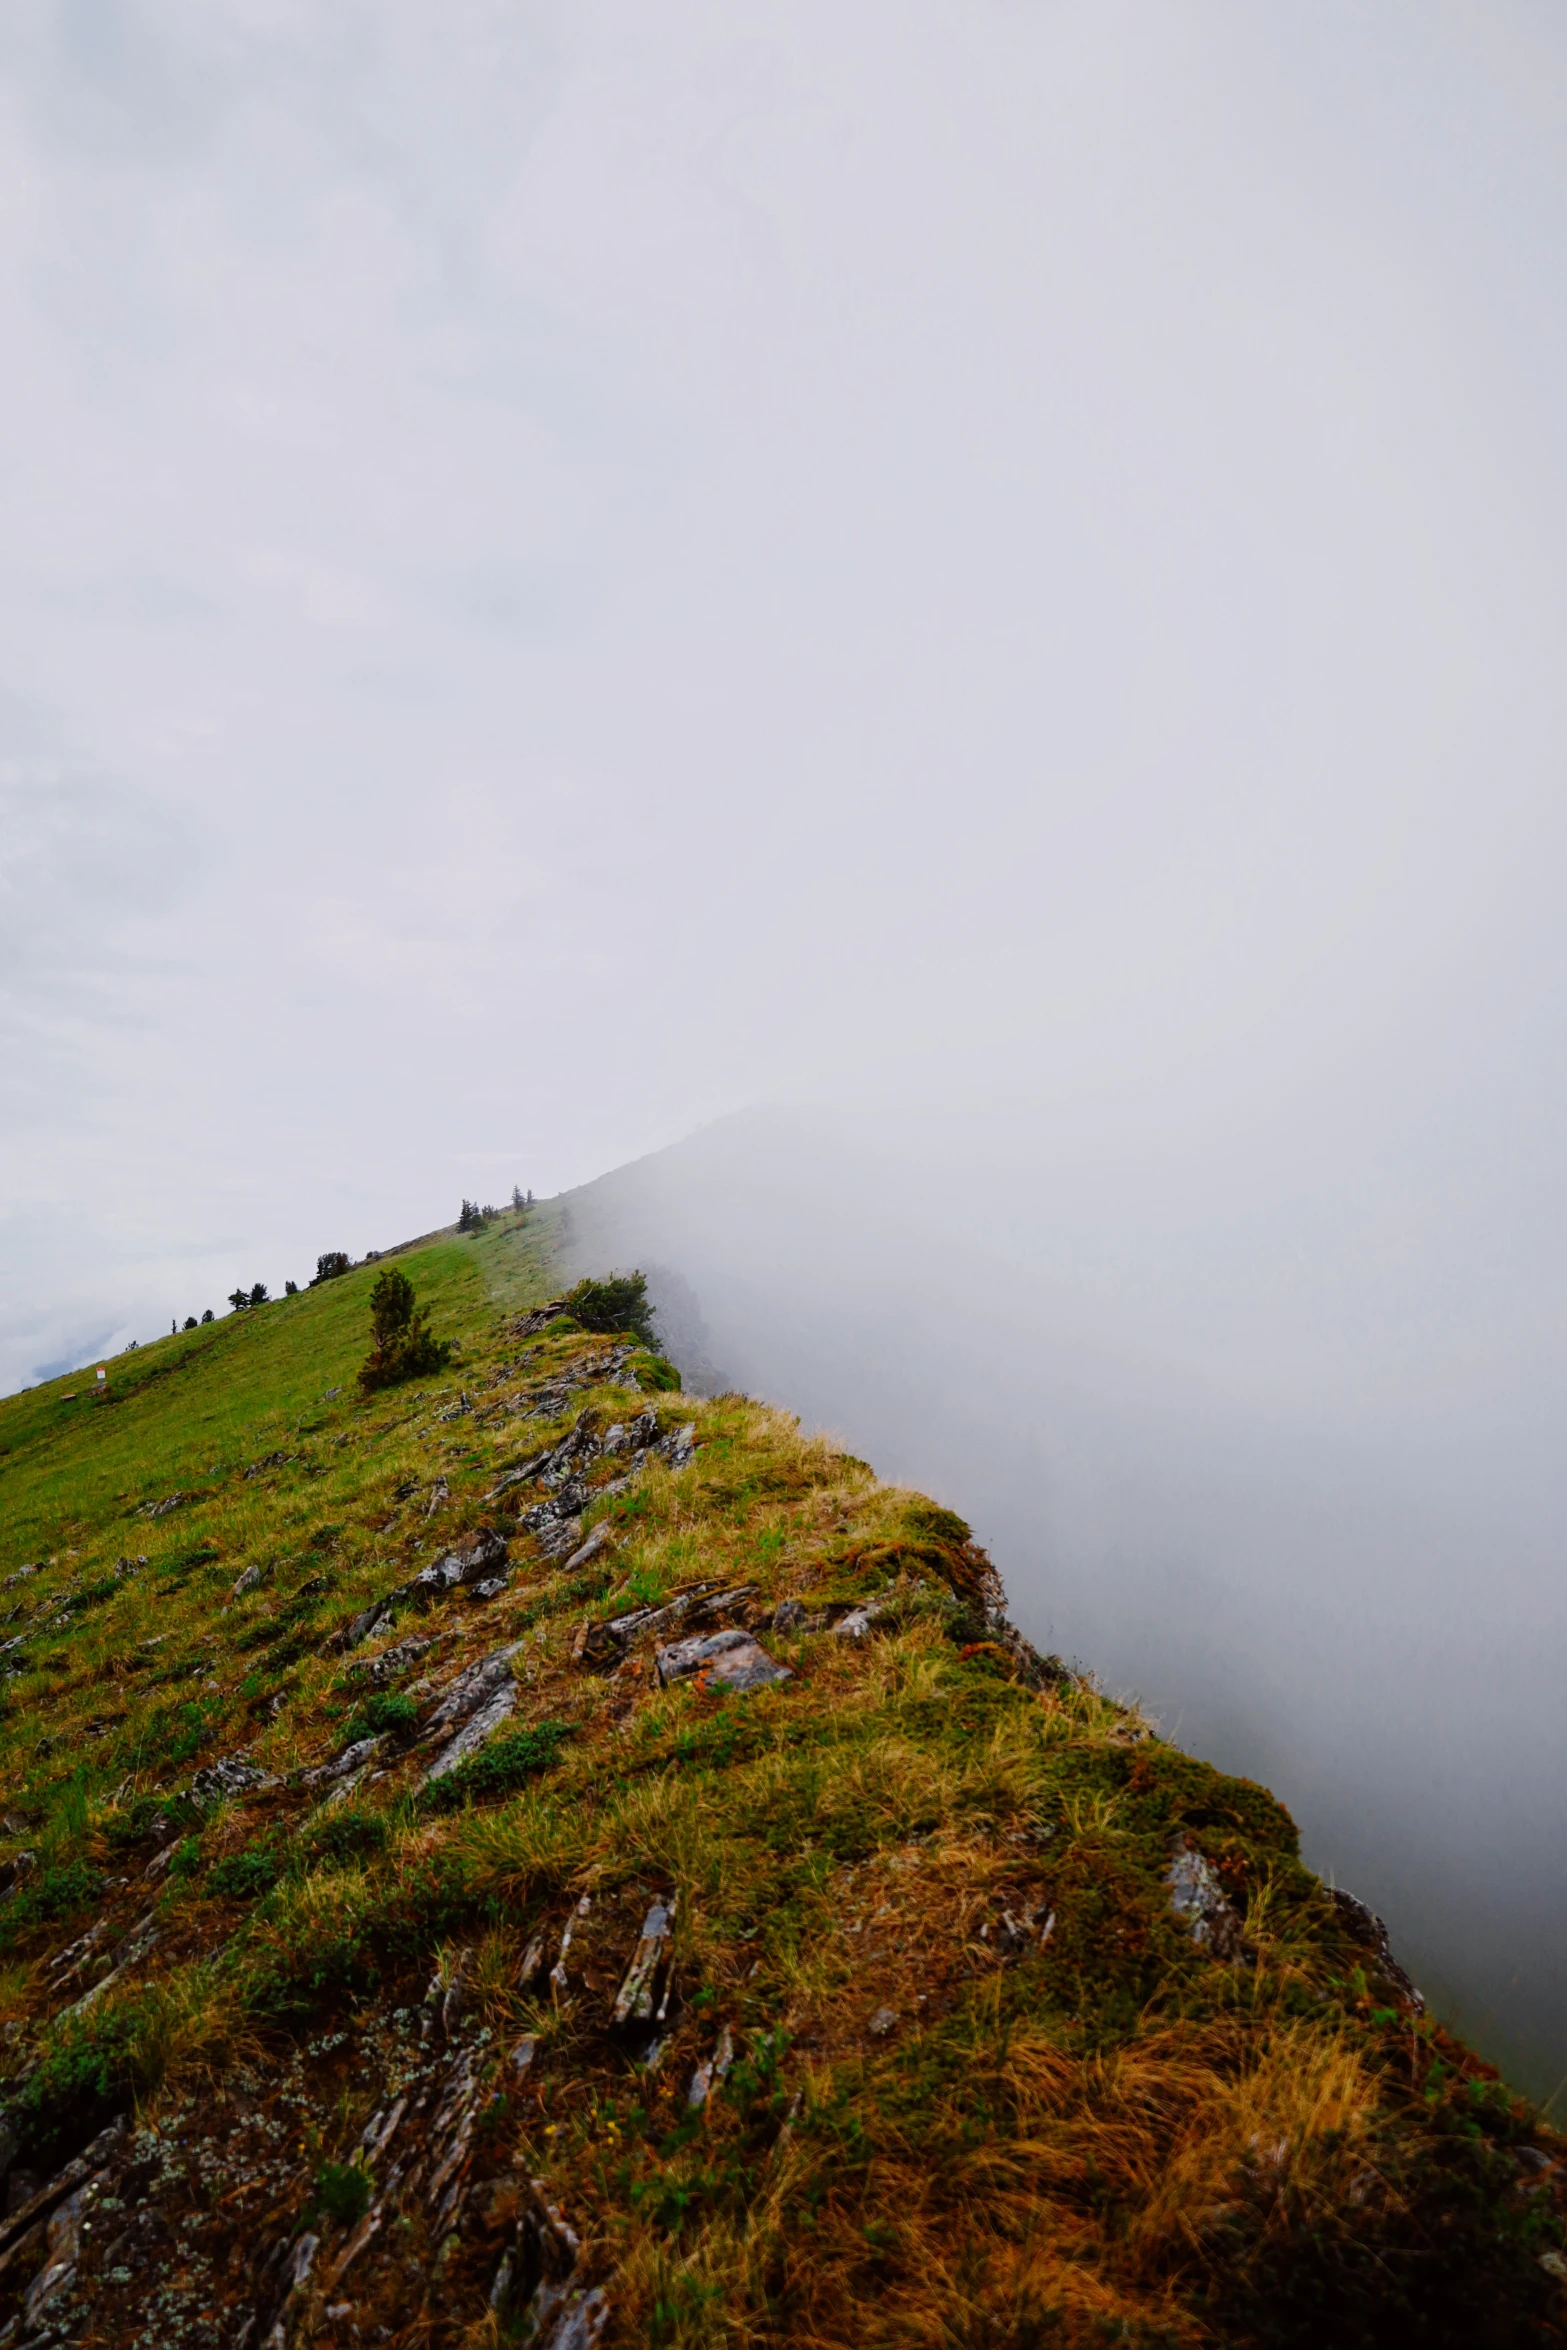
<point x="656" y="1373"/>
<point x="134" y="1823"/>
<point x="187" y="1858"/>
<point x="53" y="1893"/>
<point x="342" y="2193"/>
<point x="70" y="1814"/>
<point x="330" y="1267"/>
<point x="405" y="1346"/>
<point x="387" y="1714"/>
<point x="246" y="1875"/>
<point x="499" y="1769"/>
<point x="345" y="1836"/>
<point x="619" y="1302"/>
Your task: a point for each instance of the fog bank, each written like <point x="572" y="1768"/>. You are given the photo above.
<point x="1318" y="1580"/>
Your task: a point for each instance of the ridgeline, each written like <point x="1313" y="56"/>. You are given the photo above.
<point x="519" y="1853"/>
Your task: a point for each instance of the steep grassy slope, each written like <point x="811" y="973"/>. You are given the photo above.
<point x="397" y="1946"/>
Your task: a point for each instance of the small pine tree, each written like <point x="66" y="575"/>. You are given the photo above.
<point x="239" y="1299"/>
<point x="191" y="1322"/>
<point x="331" y="1266"/>
<point x="291" y="1289"/>
<point x="258" y="1296"/>
<point x="517" y="1200"/>
<point x="207" y="1316"/>
<point x="471" y="1217"/>
<point x="405" y="1347"/>
<point x="618" y="1303"/>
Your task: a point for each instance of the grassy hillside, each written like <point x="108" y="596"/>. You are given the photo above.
<point x="397" y="1945"/>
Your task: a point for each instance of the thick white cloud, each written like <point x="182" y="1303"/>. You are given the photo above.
<point x="567" y="569"/>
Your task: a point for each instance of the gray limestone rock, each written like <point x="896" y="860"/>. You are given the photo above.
<point x="857" y="1623"/>
<point x="479" y="1726"/>
<point x="712" y="2069"/>
<point x="473" y="1688"/>
<point x="1367" y="1929"/>
<point x="643" y="1998"/>
<point x="678" y="1448"/>
<point x="232" y="1776"/>
<point x="724" y="1660"/>
<point x="352" y="1760"/>
<point x="1199" y="1900"/>
<point x="601" y="1539"/>
<point x="479" y="1563"/>
<point x="392" y="1661"/>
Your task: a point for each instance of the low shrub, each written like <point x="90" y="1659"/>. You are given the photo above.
<point x="386" y="1714"/>
<point x="330" y="1267"/>
<point x="499" y="1768"/>
<point x="187" y="1858"/>
<point x="345" y="1836"/>
<point x="134" y="1824"/>
<point x="54" y="1892"/>
<point x="342" y="2193"/>
<point x="246" y="1875"/>
<point x="183" y="1562"/>
<point x="93" y="1594"/>
<point x="617" y="1303"/>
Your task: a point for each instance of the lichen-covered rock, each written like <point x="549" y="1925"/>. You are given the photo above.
<point x="1200" y="1902"/>
<point x="1366" y="1928"/>
<point x="232" y="1776"/>
<point x="727" y="1660"/>
<point x="480" y="1562"/>
<point x="643" y="1997"/>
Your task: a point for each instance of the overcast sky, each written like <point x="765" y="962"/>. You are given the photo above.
<point x="565" y="570"/>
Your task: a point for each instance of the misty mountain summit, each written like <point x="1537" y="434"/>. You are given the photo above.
<point x="495" y="1847"/>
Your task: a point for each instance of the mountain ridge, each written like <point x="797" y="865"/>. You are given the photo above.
<point x="536" y="1855"/>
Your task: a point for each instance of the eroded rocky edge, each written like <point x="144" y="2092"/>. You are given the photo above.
<point x="209" y="2224"/>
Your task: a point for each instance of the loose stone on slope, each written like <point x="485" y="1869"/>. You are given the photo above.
<point x="712" y="2069"/>
<point x="857" y="1623"/>
<point x="230" y="1776"/>
<point x="535" y="2281"/>
<point x="609" y="1642"/>
<point x="601" y="1539"/>
<point x="392" y="1660"/>
<point x="643" y="1997"/>
<point x="1198" y="1898"/>
<point x="479" y="1563"/>
<point x="350" y="1762"/>
<point x="724" y="1660"/>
